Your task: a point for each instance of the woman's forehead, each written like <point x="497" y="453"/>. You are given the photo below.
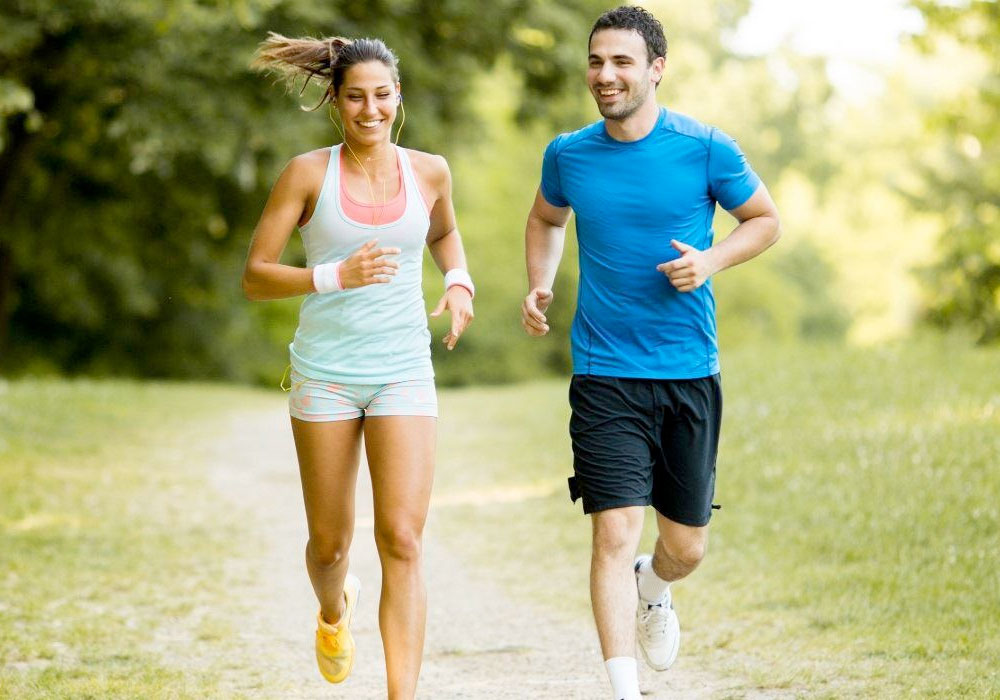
<point x="370" y="74"/>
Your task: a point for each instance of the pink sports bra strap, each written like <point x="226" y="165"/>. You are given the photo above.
<point x="362" y="212"/>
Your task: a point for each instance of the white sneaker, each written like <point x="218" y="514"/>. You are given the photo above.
<point x="657" y="629"/>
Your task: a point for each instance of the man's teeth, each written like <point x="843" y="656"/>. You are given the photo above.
<point x="609" y="93"/>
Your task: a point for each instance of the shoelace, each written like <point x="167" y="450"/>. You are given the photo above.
<point x="654" y="620"/>
<point x="331" y="640"/>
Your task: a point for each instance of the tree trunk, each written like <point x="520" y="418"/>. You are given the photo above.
<point x="10" y="161"/>
<point x="6" y="285"/>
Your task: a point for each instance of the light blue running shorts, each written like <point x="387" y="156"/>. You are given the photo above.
<point x="319" y="400"/>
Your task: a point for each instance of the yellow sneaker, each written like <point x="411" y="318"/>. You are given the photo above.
<point x="334" y="643"/>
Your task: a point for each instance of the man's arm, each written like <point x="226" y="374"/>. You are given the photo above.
<point x="544" y="235"/>
<point x="758" y="229"/>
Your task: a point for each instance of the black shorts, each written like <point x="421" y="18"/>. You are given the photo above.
<point x="640" y="442"/>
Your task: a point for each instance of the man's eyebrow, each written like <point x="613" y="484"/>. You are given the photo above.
<point x="616" y="57"/>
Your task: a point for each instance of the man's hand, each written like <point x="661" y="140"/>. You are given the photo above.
<point x="458" y="300"/>
<point x="533" y="311"/>
<point x="689" y="271"/>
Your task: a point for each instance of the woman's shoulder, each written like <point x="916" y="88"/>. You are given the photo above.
<point x="310" y="164"/>
<point x="429" y="167"/>
<point x="303" y="174"/>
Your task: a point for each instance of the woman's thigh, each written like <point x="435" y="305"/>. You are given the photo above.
<point x="328" y="455"/>
<point x="400" y="452"/>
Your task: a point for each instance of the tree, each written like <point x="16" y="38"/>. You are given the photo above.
<point x="136" y="149"/>
<point x="963" y="287"/>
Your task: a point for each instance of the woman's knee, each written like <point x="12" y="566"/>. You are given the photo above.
<point x="399" y="542"/>
<point x="327" y="551"/>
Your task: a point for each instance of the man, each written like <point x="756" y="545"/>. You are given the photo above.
<point x="645" y="393"/>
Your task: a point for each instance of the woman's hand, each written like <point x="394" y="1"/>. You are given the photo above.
<point x="458" y="300"/>
<point x="368" y="265"/>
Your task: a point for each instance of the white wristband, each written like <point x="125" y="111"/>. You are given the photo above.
<point x="326" y="277"/>
<point x="458" y="276"/>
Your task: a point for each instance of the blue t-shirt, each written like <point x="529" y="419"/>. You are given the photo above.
<point x="630" y="199"/>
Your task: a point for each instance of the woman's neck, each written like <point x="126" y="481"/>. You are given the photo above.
<point x="369" y="154"/>
<point x="377" y="165"/>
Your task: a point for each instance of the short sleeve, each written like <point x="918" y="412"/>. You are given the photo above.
<point x="551" y="187"/>
<point x="731" y="181"/>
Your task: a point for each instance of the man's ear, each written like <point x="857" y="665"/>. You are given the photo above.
<point x="658" y="67"/>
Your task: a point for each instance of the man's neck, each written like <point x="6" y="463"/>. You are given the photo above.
<point x="636" y="126"/>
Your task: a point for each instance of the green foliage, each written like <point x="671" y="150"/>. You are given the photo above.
<point x="137" y="149"/>
<point x="495" y="181"/>
<point x="811" y="278"/>
<point x="786" y="294"/>
<point x="782" y="297"/>
<point x="963" y="287"/>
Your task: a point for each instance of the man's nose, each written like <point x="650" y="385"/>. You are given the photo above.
<point x="606" y="74"/>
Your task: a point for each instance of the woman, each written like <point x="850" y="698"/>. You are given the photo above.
<point x="360" y="357"/>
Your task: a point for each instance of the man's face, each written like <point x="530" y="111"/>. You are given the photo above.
<point x="619" y="75"/>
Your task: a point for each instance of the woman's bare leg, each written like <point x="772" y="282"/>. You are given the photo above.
<point x="400" y="453"/>
<point x="328" y="464"/>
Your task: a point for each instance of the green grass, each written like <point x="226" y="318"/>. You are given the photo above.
<point x="855" y="555"/>
<point x="856" y="552"/>
<point x="108" y="537"/>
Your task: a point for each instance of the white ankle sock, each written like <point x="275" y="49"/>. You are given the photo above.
<point x="624" y="676"/>
<point x="652" y="588"/>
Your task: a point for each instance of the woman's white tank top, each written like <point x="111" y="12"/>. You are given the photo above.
<point x="374" y="334"/>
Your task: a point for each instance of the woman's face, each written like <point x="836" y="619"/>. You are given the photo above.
<point x="367" y="101"/>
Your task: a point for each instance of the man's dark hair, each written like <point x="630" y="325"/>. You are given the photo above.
<point x="639" y="19"/>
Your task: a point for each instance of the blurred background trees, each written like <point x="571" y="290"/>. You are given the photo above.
<point x="137" y="149"/>
<point x="962" y="181"/>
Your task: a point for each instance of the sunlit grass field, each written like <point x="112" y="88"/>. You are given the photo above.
<point x="855" y="554"/>
<point x="108" y="535"/>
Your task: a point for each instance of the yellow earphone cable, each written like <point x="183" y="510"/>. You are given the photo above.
<point x="368" y="179"/>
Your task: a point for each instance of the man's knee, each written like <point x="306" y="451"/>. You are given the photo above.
<point x="616" y="533"/>
<point x="686" y="552"/>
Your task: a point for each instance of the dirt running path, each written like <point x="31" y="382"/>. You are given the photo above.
<point x="480" y="644"/>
